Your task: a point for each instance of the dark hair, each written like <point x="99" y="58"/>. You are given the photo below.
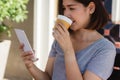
<point x="100" y="16"/>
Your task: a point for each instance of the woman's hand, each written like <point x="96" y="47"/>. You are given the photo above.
<point x="62" y="36"/>
<point x="27" y="57"/>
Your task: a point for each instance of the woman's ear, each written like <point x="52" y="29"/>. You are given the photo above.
<point x="91" y="7"/>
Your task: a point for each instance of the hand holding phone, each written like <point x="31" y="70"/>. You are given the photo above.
<point x="21" y="35"/>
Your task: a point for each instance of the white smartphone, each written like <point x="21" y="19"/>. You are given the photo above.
<point x="21" y="35"/>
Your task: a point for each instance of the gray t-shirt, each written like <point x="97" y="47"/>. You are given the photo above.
<point x="97" y="58"/>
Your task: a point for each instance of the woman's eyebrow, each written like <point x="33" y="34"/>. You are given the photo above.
<point x="69" y="5"/>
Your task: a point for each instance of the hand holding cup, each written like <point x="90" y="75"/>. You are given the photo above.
<point x="64" y="20"/>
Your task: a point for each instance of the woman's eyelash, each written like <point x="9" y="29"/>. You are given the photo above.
<point x="63" y="8"/>
<point x="71" y="8"/>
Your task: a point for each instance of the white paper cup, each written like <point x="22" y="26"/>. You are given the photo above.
<point x="64" y="20"/>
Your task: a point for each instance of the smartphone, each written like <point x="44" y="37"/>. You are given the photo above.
<point x="21" y="35"/>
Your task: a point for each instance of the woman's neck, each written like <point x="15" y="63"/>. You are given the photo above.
<point x="85" y="35"/>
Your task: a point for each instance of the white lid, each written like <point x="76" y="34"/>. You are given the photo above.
<point x="65" y="18"/>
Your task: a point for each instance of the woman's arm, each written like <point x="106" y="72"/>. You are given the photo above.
<point x="34" y="71"/>
<point x="72" y="69"/>
<point x="73" y="72"/>
<point x="40" y="75"/>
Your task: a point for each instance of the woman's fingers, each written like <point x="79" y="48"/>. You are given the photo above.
<point x="35" y="60"/>
<point x="23" y="54"/>
<point x="21" y="46"/>
<point x="27" y="56"/>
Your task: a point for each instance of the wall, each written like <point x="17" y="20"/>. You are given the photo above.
<point x="15" y="69"/>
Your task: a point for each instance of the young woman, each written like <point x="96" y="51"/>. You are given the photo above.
<point x="79" y="53"/>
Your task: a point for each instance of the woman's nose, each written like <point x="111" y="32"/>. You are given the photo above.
<point x="67" y="13"/>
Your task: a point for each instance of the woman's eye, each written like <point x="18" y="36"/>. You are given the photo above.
<point x="71" y="8"/>
<point x="63" y="8"/>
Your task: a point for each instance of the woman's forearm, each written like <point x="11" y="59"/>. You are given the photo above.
<point x="38" y="74"/>
<point x="72" y="69"/>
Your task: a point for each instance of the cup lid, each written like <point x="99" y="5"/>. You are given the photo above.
<point x="65" y="18"/>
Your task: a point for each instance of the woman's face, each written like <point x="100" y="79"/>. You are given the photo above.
<point x="79" y="14"/>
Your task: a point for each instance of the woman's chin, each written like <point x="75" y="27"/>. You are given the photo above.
<point x="72" y="28"/>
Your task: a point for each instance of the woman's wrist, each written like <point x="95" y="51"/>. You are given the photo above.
<point x="69" y="51"/>
<point x="70" y="54"/>
<point x="30" y="66"/>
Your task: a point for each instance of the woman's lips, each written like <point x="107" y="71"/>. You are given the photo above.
<point x="73" y="22"/>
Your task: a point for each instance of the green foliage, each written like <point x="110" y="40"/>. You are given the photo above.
<point x="5" y="29"/>
<point x="15" y="10"/>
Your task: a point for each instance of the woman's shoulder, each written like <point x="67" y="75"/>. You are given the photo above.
<point x="105" y="43"/>
<point x="105" y="47"/>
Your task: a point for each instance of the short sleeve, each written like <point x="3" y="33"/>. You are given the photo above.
<point x="102" y="63"/>
<point x="53" y="50"/>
